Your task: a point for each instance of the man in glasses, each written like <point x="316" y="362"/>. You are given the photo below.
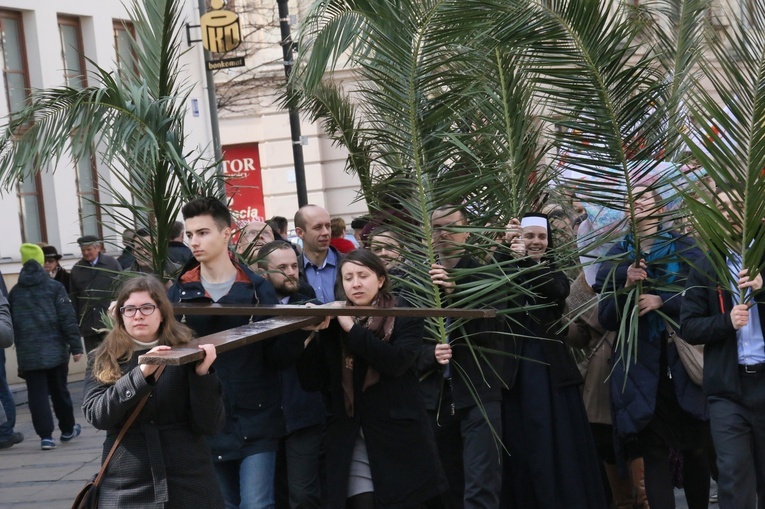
<point x="462" y="389"/>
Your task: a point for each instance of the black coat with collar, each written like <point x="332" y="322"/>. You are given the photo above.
<point x="705" y="320"/>
<point x="92" y="289"/>
<point x="399" y="440"/>
<point x="249" y="374"/>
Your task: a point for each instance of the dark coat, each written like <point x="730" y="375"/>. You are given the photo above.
<point x="251" y="390"/>
<point x="548" y="289"/>
<point x="481" y="369"/>
<point x="399" y="440"/>
<point x="634" y="389"/>
<point x="6" y="326"/>
<point x="705" y="320"/>
<point x="169" y="270"/>
<point x="44" y="324"/>
<point x="62" y="276"/>
<point x="92" y="289"/>
<point x="163" y="461"/>
<point x="301" y="408"/>
<point x="126" y="258"/>
<point x="178" y="252"/>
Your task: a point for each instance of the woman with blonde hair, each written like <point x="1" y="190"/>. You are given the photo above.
<point x="163" y="460"/>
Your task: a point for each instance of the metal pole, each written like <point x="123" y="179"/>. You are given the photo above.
<point x="213" y="104"/>
<point x="294" y="114"/>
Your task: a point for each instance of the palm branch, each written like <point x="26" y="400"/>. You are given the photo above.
<point x="729" y="143"/>
<point x="132" y="118"/>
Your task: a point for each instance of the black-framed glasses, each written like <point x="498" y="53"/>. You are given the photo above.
<point x="130" y="311"/>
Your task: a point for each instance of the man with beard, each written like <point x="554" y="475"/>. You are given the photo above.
<point x="301" y="448"/>
<point x="463" y="400"/>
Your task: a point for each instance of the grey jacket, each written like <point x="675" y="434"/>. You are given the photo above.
<point x="6" y="326"/>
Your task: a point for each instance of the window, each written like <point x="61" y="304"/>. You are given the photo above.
<point x="87" y="195"/>
<point x="86" y="176"/>
<point x="71" y="52"/>
<point x="31" y="210"/>
<point x="16" y="75"/>
<point x="123" y="47"/>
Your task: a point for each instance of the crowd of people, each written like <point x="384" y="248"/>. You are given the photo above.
<point x="377" y="412"/>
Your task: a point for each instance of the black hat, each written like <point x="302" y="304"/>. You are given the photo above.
<point x="87" y="240"/>
<point x="51" y="252"/>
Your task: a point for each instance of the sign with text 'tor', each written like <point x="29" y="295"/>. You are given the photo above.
<point x="244" y="182"/>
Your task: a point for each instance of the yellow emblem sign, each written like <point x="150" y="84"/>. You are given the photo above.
<point x="220" y="29"/>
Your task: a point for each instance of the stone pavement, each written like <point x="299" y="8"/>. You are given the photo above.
<point x="31" y="478"/>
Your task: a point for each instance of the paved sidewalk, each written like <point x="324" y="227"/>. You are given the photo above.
<point x="31" y="478"/>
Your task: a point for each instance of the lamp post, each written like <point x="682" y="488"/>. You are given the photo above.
<point x="294" y="113"/>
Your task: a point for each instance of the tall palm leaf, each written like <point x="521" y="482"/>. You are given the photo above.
<point x="133" y="118"/>
<point x="431" y="119"/>
<point x="729" y="143"/>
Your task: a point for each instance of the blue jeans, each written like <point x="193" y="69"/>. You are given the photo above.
<point x="6" y="399"/>
<point x="248" y="483"/>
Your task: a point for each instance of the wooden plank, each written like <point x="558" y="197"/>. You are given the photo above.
<point x="230" y="339"/>
<point x="327" y="310"/>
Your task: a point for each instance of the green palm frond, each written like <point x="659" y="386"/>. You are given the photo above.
<point x="133" y="119"/>
<point x="729" y="143"/>
<point x="432" y="118"/>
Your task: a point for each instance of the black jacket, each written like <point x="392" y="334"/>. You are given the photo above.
<point x="476" y="371"/>
<point x="163" y="461"/>
<point x="251" y="390"/>
<point x="705" y="320"/>
<point x="92" y="290"/>
<point x="399" y="440"/>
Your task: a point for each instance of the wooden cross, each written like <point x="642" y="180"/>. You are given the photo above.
<point x="285" y="318"/>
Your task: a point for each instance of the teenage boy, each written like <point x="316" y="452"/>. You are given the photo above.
<point x="734" y="367"/>
<point x="245" y="452"/>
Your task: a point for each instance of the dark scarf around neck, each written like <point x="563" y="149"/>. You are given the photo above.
<point x="382" y="327"/>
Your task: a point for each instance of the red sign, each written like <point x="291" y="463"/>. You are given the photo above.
<point x="244" y="183"/>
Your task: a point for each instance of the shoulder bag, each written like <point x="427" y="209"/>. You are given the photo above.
<point x="692" y="356"/>
<point x="87" y="498"/>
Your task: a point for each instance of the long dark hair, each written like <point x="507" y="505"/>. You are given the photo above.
<point x="368" y="259"/>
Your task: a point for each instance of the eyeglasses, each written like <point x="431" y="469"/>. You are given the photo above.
<point x="130" y="311"/>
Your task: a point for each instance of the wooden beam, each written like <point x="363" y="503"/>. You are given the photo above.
<point x="230" y="339"/>
<point x="326" y="310"/>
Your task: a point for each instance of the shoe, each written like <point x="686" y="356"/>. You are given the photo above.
<point x="65" y="437"/>
<point x="46" y="444"/>
<point x="16" y="438"/>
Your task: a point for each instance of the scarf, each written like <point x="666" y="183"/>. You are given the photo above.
<point x="662" y="273"/>
<point x="382" y="327"/>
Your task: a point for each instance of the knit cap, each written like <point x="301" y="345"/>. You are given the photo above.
<point x="32" y="252"/>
